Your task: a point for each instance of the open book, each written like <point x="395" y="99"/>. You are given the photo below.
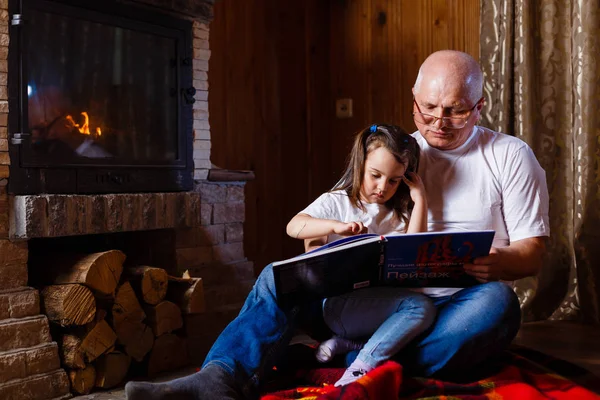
<point x="429" y="259"/>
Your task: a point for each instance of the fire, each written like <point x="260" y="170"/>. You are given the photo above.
<point x="85" y="127"/>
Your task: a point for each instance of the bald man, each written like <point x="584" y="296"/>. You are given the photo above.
<point x="475" y="179"/>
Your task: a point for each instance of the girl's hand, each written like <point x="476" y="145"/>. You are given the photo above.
<point x="349" y="228"/>
<point x="415" y="184"/>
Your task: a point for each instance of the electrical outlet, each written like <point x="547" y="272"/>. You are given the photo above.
<point x="343" y="108"/>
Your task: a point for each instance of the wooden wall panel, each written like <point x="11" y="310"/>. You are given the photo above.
<point x="392" y="38"/>
<point x="291" y="45"/>
<point x="320" y="107"/>
<point x="350" y="63"/>
<point x="386" y="61"/>
<point x="277" y="68"/>
<point x="268" y="76"/>
<point x="416" y="44"/>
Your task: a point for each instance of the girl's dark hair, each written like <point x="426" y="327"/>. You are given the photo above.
<point x="402" y="146"/>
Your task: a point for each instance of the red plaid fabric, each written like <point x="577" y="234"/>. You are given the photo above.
<point x="519" y="379"/>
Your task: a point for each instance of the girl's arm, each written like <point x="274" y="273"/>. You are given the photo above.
<point x="303" y="226"/>
<point x="418" y="217"/>
<point x="311" y="244"/>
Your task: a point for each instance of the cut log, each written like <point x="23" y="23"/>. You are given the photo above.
<point x="188" y="294"/>
<point x="137" y="337"/>
<point x="71" y="353"/>
<point x="100" y="313"/>
<point x="169" y="353"/>
<point x="151" y="283"/>
<point x="139" y="348"/>
<point x="98" y="340"/>
<point x="111" y="369"/>
<point x="98" y="271"/>
<point x="126" y="306"/>
<point x="68" y="304"/>
<point x="164" y="317"/>
<point x="83" y="380"/>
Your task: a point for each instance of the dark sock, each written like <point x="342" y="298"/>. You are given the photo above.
<point x="210" y="383"/>
<point x="334" y="346"/>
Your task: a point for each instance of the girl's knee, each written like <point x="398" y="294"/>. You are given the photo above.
<point x="420" y="304"/>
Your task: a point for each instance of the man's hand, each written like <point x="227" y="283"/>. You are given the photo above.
<point x="521" y="259"/>
<point x="349" y="228"/>
<point x="486" y="269"/>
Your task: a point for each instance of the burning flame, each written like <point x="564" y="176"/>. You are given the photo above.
<point x="85" y="127"/>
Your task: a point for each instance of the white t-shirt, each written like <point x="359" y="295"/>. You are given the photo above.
<point x="377" y="218"/>
<point x="493" y="181"/>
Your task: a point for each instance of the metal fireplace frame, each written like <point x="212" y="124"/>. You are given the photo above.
<point x="94" y="177"/>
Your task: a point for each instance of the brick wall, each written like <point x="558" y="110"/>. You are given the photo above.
<point x="29" y="363"/>
<point x="201" y="126"/>
<point x="214" y="251"/>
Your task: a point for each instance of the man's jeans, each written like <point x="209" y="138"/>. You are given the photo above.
<point x="471" y="325"/>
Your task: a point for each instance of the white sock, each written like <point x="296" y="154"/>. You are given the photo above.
<point x="334" y="346"/>
<point x="356" y="370"/>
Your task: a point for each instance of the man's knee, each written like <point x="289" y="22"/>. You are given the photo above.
<point x="495" y="298"/>
<point x="496" y="309"/>
<point x="265" y="279"/>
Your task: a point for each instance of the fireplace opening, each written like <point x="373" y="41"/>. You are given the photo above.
<point x="102" y="99"/>
<point x="118" y="308"/>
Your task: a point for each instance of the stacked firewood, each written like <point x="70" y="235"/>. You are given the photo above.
<point x="108" y="319"/>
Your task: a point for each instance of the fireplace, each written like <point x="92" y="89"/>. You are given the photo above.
<point x="105" y="144"/>
<point x="101" y="100"/>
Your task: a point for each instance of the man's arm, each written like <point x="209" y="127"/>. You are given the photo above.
<point x="521" y="259"/>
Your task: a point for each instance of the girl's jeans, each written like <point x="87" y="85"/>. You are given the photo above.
<point x="471" y="325"/>
<point x="386" y="318"/>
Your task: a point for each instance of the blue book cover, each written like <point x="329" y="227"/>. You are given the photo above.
<point x="433" y="259"/>
<point x="430" y="259"/>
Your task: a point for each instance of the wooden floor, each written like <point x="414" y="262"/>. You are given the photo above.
<point x="119" y="393"/>
<point x="569" y="341"/>
<point x="572" y="342"/>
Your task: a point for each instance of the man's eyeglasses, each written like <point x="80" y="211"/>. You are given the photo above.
<point x="448" y="122"/>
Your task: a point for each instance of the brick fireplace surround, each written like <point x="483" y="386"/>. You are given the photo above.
<point x="204" y="228"/>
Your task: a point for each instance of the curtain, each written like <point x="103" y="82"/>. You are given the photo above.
<point x="541" y="61"/>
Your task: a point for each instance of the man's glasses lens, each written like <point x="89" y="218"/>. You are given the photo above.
<point x="448" y="122"/>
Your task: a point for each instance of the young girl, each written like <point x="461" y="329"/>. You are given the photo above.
<point x="380" y="193"/>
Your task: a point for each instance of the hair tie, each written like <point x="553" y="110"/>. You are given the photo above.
<point x="373" y="128"/>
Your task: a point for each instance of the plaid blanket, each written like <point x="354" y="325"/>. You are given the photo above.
<point x="519" y="378"/>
